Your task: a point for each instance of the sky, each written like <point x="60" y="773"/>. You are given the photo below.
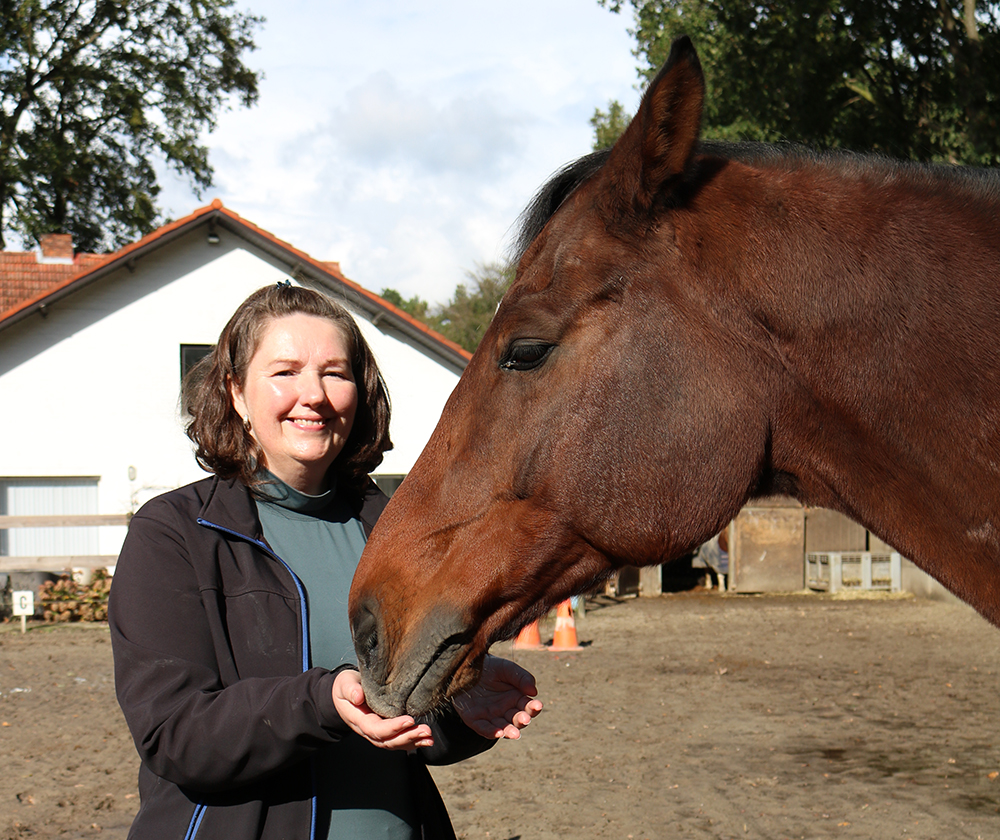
<point x="403" y="139"/>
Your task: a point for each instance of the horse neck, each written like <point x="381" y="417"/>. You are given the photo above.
<point x="877" y="311"/>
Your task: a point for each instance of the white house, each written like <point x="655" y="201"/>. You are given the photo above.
<point x="90" y="370"/>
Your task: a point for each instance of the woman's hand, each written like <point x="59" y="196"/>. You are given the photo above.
<point x="500" y="705"/>
<point x="398" y="733"/>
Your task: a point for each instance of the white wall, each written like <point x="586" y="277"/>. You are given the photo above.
<point x="92" y="388"/>
<point x="418" y="390"/>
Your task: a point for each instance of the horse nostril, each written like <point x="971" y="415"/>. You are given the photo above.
<point x="365" y="631"/>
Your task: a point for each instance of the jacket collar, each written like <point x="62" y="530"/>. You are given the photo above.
<point x="230" y="505"/>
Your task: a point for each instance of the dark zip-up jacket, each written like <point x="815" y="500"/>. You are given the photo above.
<point x="210" y="637"/>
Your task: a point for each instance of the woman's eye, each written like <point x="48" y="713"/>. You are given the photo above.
<point x="526" y="355"/>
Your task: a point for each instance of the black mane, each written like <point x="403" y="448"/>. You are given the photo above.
<point x="984" y="183"/>
<point x="547" y="200"/>
<point x="977" y="182"/>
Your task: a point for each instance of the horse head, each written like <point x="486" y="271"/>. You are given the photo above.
<point x="593" y="424"/>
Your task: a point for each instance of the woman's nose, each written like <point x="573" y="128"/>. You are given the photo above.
<point x="311" y="389"/>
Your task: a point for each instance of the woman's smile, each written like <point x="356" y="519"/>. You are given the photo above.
<point x="307" y="422"/>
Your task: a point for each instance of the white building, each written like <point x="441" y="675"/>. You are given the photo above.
<point x="90" y="370"/>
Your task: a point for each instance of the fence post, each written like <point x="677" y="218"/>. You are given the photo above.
<point x="866" y="571"/>
<point x="836" y="571"/>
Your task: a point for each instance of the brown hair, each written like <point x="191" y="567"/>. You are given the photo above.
<point x="224" y="446"/>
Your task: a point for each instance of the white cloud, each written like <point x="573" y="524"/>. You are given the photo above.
<point x="383" y="123"/>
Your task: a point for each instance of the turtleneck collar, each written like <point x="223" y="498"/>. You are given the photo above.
<point x="274" y="490"/>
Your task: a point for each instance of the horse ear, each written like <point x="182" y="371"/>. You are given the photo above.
<point x="654" y="151"/>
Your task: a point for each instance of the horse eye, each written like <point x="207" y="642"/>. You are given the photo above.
<point x="525" y="355"/>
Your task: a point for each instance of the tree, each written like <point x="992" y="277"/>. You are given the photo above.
<point x="609" y="125"/>
<point x="415" y="306"/>
<point x="911" y="78"/>
<point x="92" y="92"/>
<point x="465" y="317"/>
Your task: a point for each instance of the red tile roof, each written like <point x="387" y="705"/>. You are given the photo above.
<point x="22" y="276"/>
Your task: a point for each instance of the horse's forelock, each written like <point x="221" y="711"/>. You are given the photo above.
<point x="549" y="198"/>
<point x="567" y="180"/>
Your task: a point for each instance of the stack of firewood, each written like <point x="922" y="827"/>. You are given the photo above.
<point x="66" y="600"/>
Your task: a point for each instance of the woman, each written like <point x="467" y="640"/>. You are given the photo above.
<point x="233" y="657"/>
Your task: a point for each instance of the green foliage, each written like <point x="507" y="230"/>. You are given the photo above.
<point x="93" y="91"/>
<point x="912" y="79"/>
<point x="415" y="306"/>
<point x="465" y="317"/>
<point x="609" y="125"/>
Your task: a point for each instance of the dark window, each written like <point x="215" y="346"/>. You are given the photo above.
<point x="191" y="354"/>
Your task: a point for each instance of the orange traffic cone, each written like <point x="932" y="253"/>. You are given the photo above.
<point x="529" y="638"/>
<point x="564" y="637"/>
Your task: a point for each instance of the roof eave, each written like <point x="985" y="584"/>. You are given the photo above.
<point x="126" y="257"/>
<point x="302" y="267"/>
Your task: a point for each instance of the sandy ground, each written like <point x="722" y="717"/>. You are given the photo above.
<point x="694" y="715"/>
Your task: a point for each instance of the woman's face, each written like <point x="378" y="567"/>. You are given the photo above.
<point x="300" y="398"/>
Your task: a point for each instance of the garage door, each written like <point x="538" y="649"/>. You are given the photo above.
<point x="48" y="497"/>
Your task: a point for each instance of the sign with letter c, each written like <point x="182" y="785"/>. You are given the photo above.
<point x="23" y="602"/>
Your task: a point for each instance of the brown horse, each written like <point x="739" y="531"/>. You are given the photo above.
<point x="694" y="325"/>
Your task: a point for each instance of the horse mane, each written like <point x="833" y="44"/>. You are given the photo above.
<point x="984" y="182"/>
<point x="549" y="198"/>
<point x="979" y="182"/>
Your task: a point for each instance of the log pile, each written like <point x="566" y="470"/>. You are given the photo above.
<point x="66" y="600"/>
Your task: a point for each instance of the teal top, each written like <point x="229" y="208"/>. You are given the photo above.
<point x="363" y="791"/>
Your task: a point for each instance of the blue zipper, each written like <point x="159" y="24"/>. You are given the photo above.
<point x="196" y="818"/>
<point x="304" y="618"/>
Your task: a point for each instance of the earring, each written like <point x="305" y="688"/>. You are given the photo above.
<point x="246" y="424"/>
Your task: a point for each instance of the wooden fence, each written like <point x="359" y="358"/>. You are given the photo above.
<point x="60" y="563"/>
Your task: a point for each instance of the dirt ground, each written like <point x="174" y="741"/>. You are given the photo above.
<point x="696" y="715"/>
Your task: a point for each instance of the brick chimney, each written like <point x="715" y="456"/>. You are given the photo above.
<point x="55" y="248"/>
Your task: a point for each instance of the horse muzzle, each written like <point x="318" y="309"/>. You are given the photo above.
<point x="414" y="674"/>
